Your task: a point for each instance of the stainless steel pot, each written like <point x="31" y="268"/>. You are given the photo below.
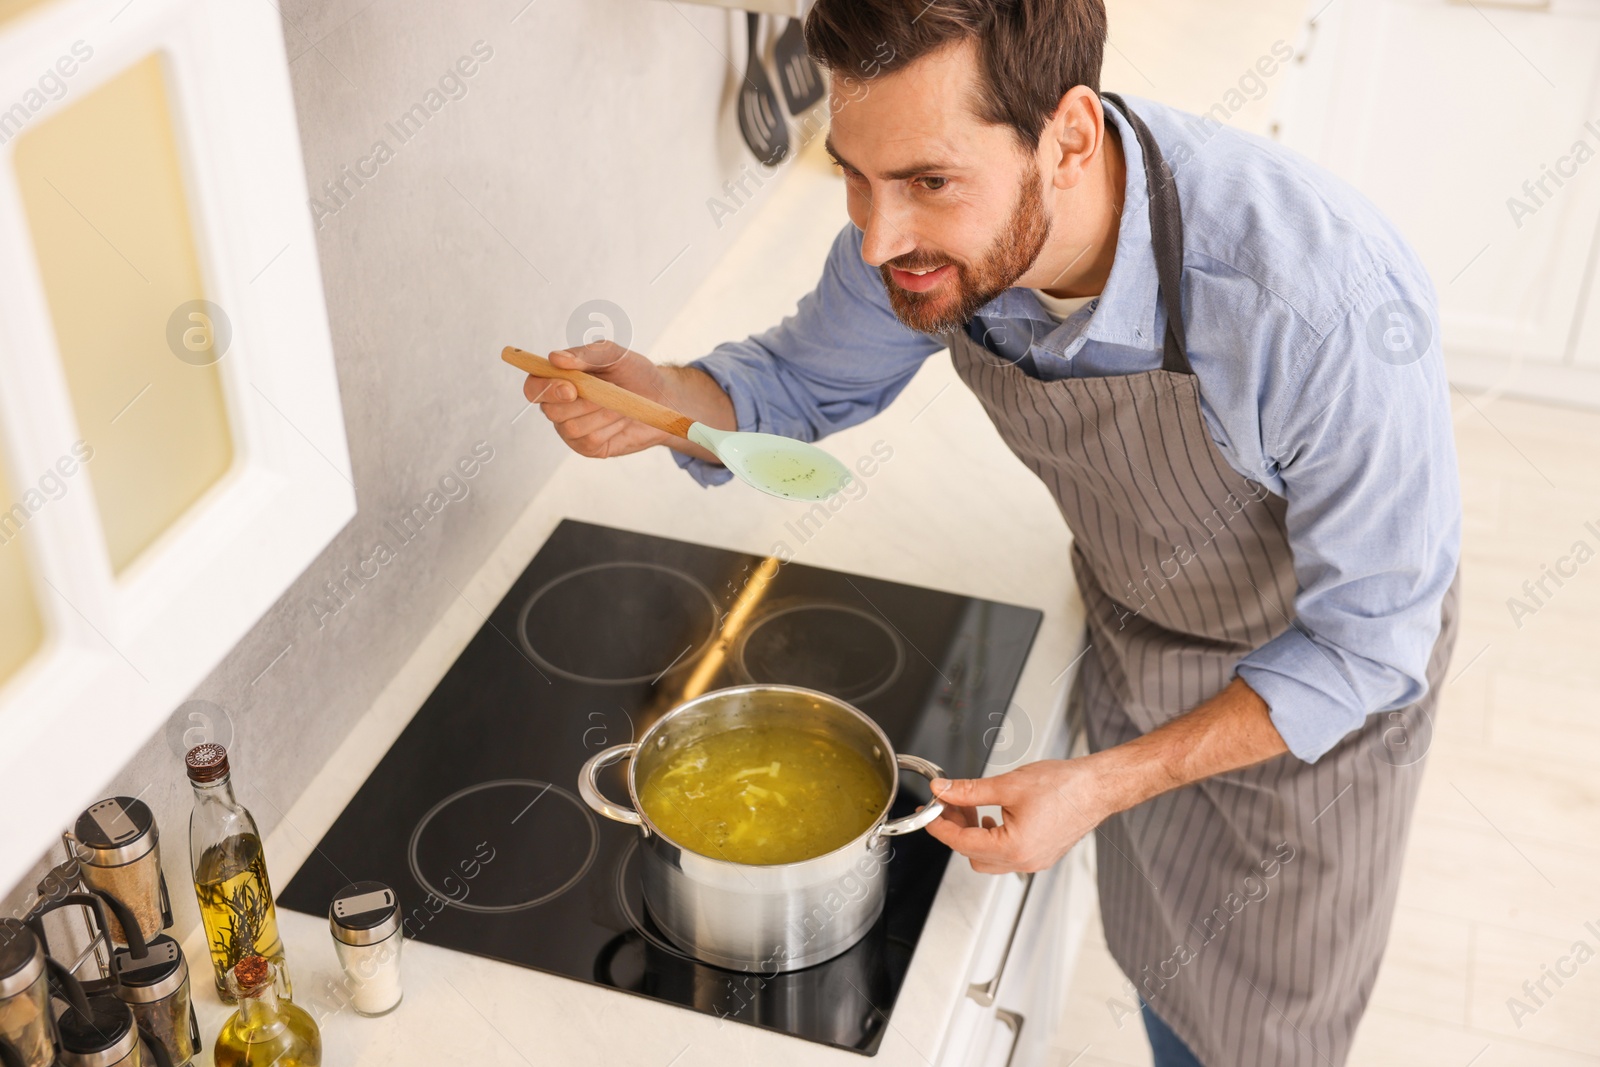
<point x="767" y="918"/>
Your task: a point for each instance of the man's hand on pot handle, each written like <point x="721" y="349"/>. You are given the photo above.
<point x="1046" y="808"/>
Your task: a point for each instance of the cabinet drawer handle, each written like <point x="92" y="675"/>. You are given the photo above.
<point x="984" y="992"/>
<point x="1012" y="1020"/>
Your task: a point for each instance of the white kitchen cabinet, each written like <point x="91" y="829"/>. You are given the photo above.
<point x="1476" y="128"/>
<point x="1018" y="983"/>
<point x="1033" y="990"/>
<point x="1018" y="978"/>
<point x="172" y="443"/>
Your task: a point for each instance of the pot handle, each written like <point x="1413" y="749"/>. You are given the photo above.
<point x="917" y="819"/>
<point x="589" y="783"/>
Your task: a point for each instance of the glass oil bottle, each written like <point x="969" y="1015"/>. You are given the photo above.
<point x="230" y="872"/>
<point x="266" y="1031"/>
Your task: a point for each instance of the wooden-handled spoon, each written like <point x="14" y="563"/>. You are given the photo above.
<point x="777" y="465"/>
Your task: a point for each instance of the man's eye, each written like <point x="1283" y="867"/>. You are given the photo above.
<point x="932" y="183"/>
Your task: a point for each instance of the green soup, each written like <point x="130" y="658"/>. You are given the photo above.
<point x="764" y="794"/>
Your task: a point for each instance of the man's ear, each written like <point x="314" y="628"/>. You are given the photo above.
<point x="1073" y="136"/>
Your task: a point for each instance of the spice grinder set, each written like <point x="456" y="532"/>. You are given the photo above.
<point x="136" y="1010"/>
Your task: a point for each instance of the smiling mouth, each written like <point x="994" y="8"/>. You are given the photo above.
<point x="921" y="279"/>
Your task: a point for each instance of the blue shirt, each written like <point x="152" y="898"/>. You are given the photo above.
<point x="1313" y="331"/>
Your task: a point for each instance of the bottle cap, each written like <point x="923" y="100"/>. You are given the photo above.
<point x="157" y="976"/>
<point x="115" y="832"/>
<point x="364" y="913"/>
<point x="207" y="762"/>
<point x="21" y="958"/>
<point x="250" y="975"/>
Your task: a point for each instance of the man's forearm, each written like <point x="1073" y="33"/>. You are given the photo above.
<point x="1231" y="730"/>
<point x="697" y="395"/>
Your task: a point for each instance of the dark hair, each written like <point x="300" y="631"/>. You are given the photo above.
<point x="1030" y="52"/>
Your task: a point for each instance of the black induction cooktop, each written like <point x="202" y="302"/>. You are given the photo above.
<point x="473" y="817"/>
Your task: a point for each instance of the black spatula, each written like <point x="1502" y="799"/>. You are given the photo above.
<point x="760" y="119"/>
<point x="798" y="76"/>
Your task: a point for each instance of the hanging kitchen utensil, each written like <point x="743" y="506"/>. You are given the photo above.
<point x="798" y="76"/>
<point x="760" y="119"/>
<point x="777" y="465"/>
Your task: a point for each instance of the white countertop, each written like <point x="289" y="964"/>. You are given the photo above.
<point x="951" y="509"/>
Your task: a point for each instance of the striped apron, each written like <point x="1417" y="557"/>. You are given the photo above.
<point x="1250" y="909"/>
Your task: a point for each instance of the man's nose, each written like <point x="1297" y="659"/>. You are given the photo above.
<point x="883" y="237"/>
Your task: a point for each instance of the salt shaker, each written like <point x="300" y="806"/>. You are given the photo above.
<point x="365" y="920"/>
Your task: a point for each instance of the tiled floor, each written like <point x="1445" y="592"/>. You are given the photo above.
<point x="1503" y="869"/>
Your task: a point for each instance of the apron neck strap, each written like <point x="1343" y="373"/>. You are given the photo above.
<point x="1166" y="236"/>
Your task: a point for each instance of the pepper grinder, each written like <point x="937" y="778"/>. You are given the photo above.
<point x="156" y="987"/>
<point x="25" y="1018"/>
<point x="119" y="857"/>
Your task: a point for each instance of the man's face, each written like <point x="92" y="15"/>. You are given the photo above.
<point x="935" y="190"/>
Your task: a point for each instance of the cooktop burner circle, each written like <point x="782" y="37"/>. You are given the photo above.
<point x="505" y="845"/>
<point x="628" y="883"/>
<point x="617" y="623"/>
<point x="833" y="648"/>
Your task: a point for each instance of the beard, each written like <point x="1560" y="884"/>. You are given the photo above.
<point x="951" y="305"/>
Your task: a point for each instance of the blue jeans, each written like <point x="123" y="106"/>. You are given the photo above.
<point x="1168" y="1048"/>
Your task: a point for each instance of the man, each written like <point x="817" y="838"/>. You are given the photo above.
<point x="1220" y="360"/>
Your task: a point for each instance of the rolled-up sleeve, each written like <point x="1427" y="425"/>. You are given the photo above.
<point x="841" y="358"/>
<point x="1365" y="451"/>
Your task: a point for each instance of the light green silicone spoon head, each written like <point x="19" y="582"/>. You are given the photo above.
<point x="781" y="466"/>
